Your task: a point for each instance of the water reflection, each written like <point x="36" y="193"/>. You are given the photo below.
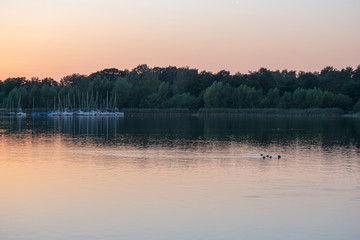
<point x="142" y="131"/>
<point x="179" y="178"/>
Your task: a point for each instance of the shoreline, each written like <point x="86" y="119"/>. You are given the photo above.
<point x="230" y="112"/>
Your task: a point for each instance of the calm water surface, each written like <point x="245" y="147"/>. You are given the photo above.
<point x="179" y="178"/>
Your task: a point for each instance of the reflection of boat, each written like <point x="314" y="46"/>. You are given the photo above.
<point x="20" y="113"/>
<point x="58" y="113"/>
<point x="82" y="113"/>
<point x="66" y="113"/>
<point x="39" y="114"/>
<point x="117" y="114"/>
<point x="9" y="109"/>
<point x="53" y="113"/>
<point x="93" y="113"/>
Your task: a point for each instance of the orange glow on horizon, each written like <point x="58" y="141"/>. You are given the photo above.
<point x="43" y="39"/>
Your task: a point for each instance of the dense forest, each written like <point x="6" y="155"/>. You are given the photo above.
<point x="173" y="87"/>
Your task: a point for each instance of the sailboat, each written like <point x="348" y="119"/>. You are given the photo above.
<point x="20" y="113"/>
<point x="10" y="110"/>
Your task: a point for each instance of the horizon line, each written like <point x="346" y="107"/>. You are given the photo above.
<point x="192" y="68"/>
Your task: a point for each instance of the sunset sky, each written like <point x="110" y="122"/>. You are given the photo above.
<point x="54" y="38"/>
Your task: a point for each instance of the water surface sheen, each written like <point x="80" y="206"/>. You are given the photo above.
<point x="179" y="178"/>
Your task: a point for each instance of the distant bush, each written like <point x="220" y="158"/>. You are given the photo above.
<point x="155" y="110"/>
<point x="272" y="111"/>
<point x="356" y="108"/>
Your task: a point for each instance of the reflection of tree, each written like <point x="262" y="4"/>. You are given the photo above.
<point x="187" y="131"/>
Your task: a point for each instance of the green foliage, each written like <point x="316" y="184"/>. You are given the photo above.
<point x="217" y="95"/>
<point x="332" y="80"/>
<point x="352" y="89"/>
<point x="247" y="97"/>
<point x="356" y="108"/>
<point x="35" y="95"/>
<point x="164" y="92"/>
<point x="308" y="80"/>
<point x="73" y="80"/>
<point x="330" y="99"/>
<point x="122" y="89"/>
<point x="286" y="100"/>
<point x="265" y="79"/>
<point x="271" y="99"/>
<point x="152" y="101"/>
<point x="11" y="83"/>
<point x="342" y="101"/>
<point x="23" y="98"/>
<point x="285" y="81"/>
<point x="299" y="98"/>
<point x="183" y="100"/>
<point x="213" y="94"/>
<point x="327" y="100"/>
<point x="312" y="98"/>
<point x="172" y="87"/>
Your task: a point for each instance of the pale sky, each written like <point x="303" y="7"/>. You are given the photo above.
<point x="54" y="38"/>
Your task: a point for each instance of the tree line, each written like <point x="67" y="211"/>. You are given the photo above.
<point x="172" y="87"/>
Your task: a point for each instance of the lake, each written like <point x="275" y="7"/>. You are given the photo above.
<point x="179" y="178"/>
